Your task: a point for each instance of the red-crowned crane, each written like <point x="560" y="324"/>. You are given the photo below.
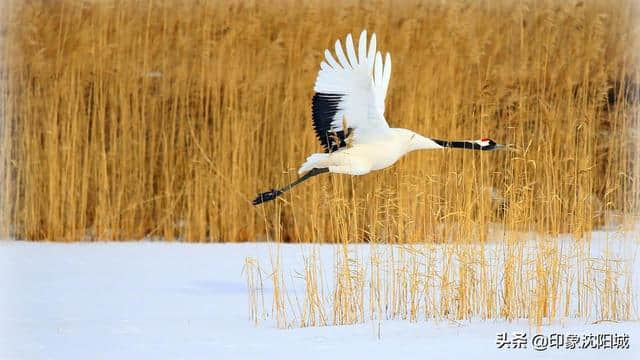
<point x="348" y="118"/>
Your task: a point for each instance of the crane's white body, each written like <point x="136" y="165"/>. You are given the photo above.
<point x="362" y="158"/>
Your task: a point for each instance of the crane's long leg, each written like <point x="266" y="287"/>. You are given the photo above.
<point x="274" y="193"/>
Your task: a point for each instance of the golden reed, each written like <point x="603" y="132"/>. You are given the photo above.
<point x="133" y="119"/>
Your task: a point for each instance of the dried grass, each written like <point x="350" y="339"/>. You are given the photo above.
<point x="133" y="119"/>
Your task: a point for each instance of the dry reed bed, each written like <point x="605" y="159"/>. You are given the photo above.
<point x="132" y="119"/>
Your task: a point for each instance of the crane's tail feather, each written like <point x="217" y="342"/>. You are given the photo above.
<point x="318" y="160"/>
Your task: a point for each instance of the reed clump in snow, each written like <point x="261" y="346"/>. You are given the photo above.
<point x="522" y="276"/>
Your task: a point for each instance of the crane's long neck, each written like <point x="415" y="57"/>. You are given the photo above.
<point x="419" y="142"/>
<point x="471" y="145"/>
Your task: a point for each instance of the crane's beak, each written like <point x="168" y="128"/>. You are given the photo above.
<point x="508" y="147"/>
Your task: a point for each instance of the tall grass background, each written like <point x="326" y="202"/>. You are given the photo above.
<point x="135" y="119"/>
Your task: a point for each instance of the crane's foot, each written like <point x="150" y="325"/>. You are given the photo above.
<point x="266" y="196"/>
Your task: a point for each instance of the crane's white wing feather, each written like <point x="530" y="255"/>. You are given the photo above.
<point x="351" y="91"/>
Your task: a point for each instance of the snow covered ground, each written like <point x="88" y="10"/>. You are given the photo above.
<point x="155" y="300"/>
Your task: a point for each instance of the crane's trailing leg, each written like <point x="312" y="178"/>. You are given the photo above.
<point x="274" y="193"/>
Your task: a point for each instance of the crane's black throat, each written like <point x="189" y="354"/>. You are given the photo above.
<point x="470" y="145"/>
<point x="274" y="193"/>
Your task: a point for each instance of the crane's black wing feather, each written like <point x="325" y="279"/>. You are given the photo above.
<point x="323" y="109"/>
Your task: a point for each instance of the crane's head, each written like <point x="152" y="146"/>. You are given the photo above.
<point x="488" y="144"/>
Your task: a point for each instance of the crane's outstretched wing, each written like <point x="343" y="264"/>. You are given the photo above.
<point x="350" y="93"/>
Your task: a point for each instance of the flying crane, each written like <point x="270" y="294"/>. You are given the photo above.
<point x="348" y="118"/>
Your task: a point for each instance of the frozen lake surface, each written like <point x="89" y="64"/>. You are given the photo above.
<point x="136" y="300"/>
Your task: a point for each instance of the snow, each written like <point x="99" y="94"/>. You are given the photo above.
<point x="160" y="300"/>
